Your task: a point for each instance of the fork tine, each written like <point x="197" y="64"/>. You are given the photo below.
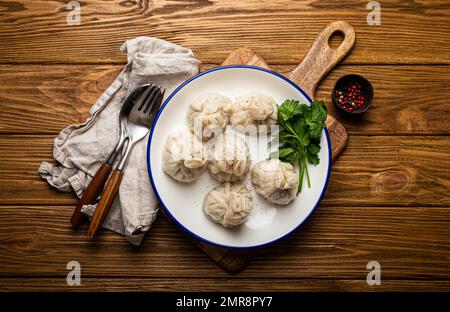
<point x="154" y="104"/>
<point x="157" y="104"/>
<point x="141" y="100"/>
<point x="162" y="96"/>
<point x="150" y="99"/>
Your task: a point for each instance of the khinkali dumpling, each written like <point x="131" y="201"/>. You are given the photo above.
<point x="183" y="156"/>
<point x="228" y="204"/>
<point x="253" y="109"/>
<point x="229" y="158"/>
<point x="276" y="181"/>
<point x="208" y="114"/>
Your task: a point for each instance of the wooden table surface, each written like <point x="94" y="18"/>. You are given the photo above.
<point x="388" y="197"/>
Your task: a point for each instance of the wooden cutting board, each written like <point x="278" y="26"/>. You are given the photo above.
<point x="320" y="59"/>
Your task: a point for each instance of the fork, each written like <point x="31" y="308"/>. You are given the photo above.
<point x="138" y="125"/>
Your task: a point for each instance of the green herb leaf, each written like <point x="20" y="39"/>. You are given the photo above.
<point x="285" y="153"/>
<point x="313" y="158"/>
<point x="316" y="120"/>
<point x="288" y="109"/>
<point x="313" y="148"/>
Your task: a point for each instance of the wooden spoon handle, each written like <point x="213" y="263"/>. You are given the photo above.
<point x="321" y="57"/>
<point x="90" y="195"/>
<point x="109" y="193"/>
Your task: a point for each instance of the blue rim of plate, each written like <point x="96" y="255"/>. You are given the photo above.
<point x="149" y="149"/>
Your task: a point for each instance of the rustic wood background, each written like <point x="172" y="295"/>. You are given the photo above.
<point x="388" y="197"/>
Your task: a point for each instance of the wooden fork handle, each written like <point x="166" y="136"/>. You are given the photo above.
<point x="90" y="195"/>
<point x="108" y="195"/>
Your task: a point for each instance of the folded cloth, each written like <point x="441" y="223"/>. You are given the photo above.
<point x="81" y="149"/>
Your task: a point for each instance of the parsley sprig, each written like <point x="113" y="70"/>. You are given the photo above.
<point x="301" y="129"/>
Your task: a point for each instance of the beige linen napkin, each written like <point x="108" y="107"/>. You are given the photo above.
<point x="81" y="149"/>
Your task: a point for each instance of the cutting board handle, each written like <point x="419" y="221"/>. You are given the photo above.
<point x="321" y="57"/>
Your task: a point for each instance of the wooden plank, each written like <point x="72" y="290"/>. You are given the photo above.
<point x="45" y="99"/>
<point x="35" y="98"/>
<point x="21" y="157"/>
<point x="373" y="170"/>
<point x="336" y="243"/>
<point x="281" y="31"/>
<point x="216" y="284"/>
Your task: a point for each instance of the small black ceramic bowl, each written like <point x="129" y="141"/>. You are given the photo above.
<point x="342" y="85"/>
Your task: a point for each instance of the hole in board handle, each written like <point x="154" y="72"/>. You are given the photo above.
<point x="336" y="39"/>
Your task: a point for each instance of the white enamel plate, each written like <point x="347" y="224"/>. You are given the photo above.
<point x="266" y="223"/>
